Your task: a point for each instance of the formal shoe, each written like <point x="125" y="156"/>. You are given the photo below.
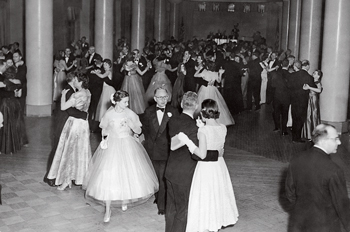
<point x="284" y="133"/>
<point x="64" y="186"/>
<point x="276" y="129"/>
<point x="51" y="183"/>
<point x="107" y="216"/>
<point x="161" y="212"/>
<point x="298" y="141"/>
<point x="124" y="207"/>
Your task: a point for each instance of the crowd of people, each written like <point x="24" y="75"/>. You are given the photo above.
<point x="165" y="107"/>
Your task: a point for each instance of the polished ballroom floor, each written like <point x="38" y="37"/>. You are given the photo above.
<point x="256" y="157"/>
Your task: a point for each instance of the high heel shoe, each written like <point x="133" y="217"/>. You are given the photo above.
<point x="107" y="216"/>
<point x="64" y="186"/>
<point x="124" y="207"/>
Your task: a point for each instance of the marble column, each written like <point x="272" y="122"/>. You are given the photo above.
<point x="104" y="28"/>
<point x="117" y="20"/>
<point x="310" y="32"/>
<point x="39" y="56"/>
<point x="174" y="20"/>
<point x="159" y="20"/>
<point x="285" y="25"/>
<point x="138" y="24"/>
<point x="335" y="64"/>
<point x="294" y="27"/>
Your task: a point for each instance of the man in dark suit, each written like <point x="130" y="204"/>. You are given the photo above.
<point x="22" y="76"/>
<point x="92" y="56"/>
<point x="6" y="51"/>
<point x="299" y="97"/>
<point x="272" y="66"/>
<point x="95" y="87"/>
<point x="60" y="117"/>
<point x="232" y="85"/>
<point x="181" y="166"/>
<point x="69" y="59"/>
<point x="254" y="82"/>
<point x="281" y="97"/>
<point x="316" y="187"/>
<point x="157" y="141"/>
<point x="190" y="81"/>
<point x="84" y="45"/>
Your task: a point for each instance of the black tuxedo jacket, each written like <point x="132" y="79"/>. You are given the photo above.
<point x="279" y="83"/>
<point x="296" y="83"/>
<point x="71" y="58"/>
<point x="92" y="62"/>
<point x="72" y="111"/>
<point x="233" y="75"/>
<point x="22" y="76"/>
<point x="316" y="187"/>
<point x="254" y="71"/>
<point x="157" y="139"/>
<point x="190" y="81"/>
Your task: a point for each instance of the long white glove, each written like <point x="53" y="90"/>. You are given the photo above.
<point x="184" y="138"/>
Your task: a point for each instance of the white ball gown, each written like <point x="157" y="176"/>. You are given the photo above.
<point x="211" y="92"/>
<point x="123" y="172"/>
<point x="212" y="202"/>
<point x="73" y="151"/>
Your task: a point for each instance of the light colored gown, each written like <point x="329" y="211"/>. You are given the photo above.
<point x="59" y="78"/>
<point x="263" y="82"/>
<point x="73" y="152"/>
<point x="212" y="202"/>
<point x="160" y="79"/>
<point x="133" y="85"/>
<point x="211" y="92"/>
<point x="123" y="172"/>
<point x="105" y="100"/>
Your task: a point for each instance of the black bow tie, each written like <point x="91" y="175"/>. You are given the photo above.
<point x="158" y="108"/>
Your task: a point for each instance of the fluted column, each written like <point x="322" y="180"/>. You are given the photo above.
<point x="310" y="32"/>
<point x="285" y="25"/>
<point x="159" y="20"/>
<point x="117" y="20"/>
<point x="335" y="64"/>
<point x="39" y="56"/>
<point x="174" y="19"/>
<point x="294" y="27"/>
<point x="104" y="28"/>
<point x="138" y="24"/>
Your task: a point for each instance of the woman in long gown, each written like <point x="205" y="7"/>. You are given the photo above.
<point x="60" y="68"/>
<point x="178" y="90"/>
<point x="120" y="170"/>
<point x="212" y="202"/>
<point x="105" y="102"/>
<point x="313" y="117"/>
<point x="160" y="79"/>
<point x="133" y="85"/>
<point x="264" y="65"/>
<point x="13" y="134"/>
<point x="73" y="151"/>
<point x="212" y="92"/>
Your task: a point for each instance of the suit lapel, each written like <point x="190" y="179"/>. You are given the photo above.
<point x="155" y="119"/>
<point x="164" y="120"/>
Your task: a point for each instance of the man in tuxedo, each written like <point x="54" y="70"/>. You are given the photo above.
<point x="316" y="186"/>
<point x="281" y="97"/>
<point x="141" y="62"/>
<point x="6" y="51"/>
<point x="22" y="76"/>
<point x="157" y="141"/>
<point x="254" y="82"/>
<point x="69" y="59"/>
<point x="60" y="117"/>
<point x="92" y="56"/>
<point x="232" y="86"/>
<point x="299" y="97"/>
<point x="95" y="87"/>
<point x="84" y="45"/>
<point x="181" y="165"/>
<point x="273" y="65"/>
<point x="190" y="81"/>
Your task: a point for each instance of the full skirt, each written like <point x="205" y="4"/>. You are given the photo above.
<point x="133" y="85"/>
<point x="73" y="153"/>
<point x="122" y="173"/>
<point x="159" y="79"/>
<point x="13" y="135"/>
<point x="212" y="201"/>
<point x="211" y="92"/>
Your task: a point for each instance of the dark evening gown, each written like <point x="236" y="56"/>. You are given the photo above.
<point x="178" y="90"/>
<point x="13" y="135"/>
<point x="313" y="115"/>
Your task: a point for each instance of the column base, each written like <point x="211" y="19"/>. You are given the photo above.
<point x="41" y="111"/>
<point x="341" y="127"/>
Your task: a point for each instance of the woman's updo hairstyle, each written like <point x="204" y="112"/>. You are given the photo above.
<point x="118" y="96"/>
<point x="108" y="61"/>
<point x="210" y="109"/>
<point x="82" y="77"/>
